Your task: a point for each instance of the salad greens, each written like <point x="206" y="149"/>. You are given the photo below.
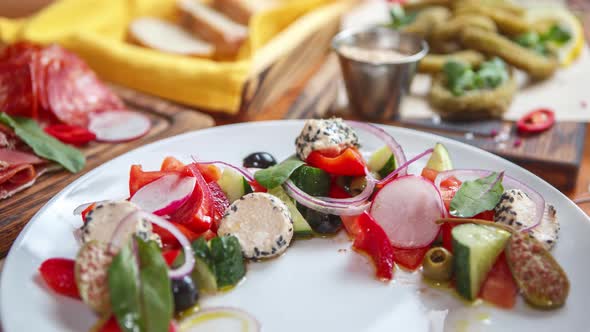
<point x="44" y="145"/>
<point x="540" y="43"/>
<point x="474" y="197"/>
<point x="141" y="296"/>
<point x="460" y="77"/>
<point x="277" y="175"/>
<point x="399" y="17"/>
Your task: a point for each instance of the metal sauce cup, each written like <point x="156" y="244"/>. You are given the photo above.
<point x="375" y="82"/>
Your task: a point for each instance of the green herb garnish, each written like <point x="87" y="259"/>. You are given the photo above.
<point x="477" y="196"/>
<point x="44" y="145"/>
<point x="460" y="77"/>
<point x="541" y="43"/>
<point x="399" y="18"/>
<point x="277" y="175"/>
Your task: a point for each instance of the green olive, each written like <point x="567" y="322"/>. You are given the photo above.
<point x="438" y="264"/>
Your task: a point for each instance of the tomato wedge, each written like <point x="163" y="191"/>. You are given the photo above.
<point x="372" y="240"/>
<point x="58" y="273"/>
<point x="70" y="134"/>
<point x="536" y="121"/>
<point x="349" y="163"/>
<point x="410" y="259"/>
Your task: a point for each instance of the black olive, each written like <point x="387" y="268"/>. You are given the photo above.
<point x="185" y="293"/>
<point x="321" y="223"/>
<point x="259" y="160"/>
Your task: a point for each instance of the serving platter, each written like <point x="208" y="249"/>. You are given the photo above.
<point x="318" y="284"/>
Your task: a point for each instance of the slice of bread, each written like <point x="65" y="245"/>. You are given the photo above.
<point x="167" y="37"/>
<point x="242" y="10"/>
<point x="214" y="27"/>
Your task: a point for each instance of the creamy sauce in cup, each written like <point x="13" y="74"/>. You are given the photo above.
<point x="371" y="55"/>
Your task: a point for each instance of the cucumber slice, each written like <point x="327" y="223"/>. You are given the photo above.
<point x="382" y="162"/>
<point x="301" y="228"/>
<point x="233" y="185"/>
<point x="440" y="160"/>
<point x="312" y="180"/>
<point x="204" y="271"/>
<point x="475" y="248"/>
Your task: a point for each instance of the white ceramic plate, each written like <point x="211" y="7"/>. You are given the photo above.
<point x="319" y="284"/>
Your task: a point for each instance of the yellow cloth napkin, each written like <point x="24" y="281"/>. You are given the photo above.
<point x="96" y="30"/>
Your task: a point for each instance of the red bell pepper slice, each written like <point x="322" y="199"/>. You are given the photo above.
<point x="168" y="240"/>
<point x="69" y="134"/>
<point x="211" y="173"/>
<point x="58" y="273"/>
<point x="86" y="210"/>
<point x="139" y="178"/>
<point x="220" y="204"/>
<point x="351" y="225"/>
<point x="373" y="241"/>
<point x="197" y="212"/>
<point x="170" y="256"/>
<point x="410" y="259"/>
<point x="349" y="163"/>
<point x="499" y="287"/>
<point x="337" y="192"/>
<point x="256" y="187"/>
<point x="536" y="121"/>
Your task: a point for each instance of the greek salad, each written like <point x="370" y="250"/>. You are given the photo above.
<point x="191" y="230"/>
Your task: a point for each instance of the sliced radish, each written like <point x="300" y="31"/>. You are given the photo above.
<point x="220" y="319"/>
<point x="164" y="195"/>
<point x="407" y="209"/>
<point x="118" y="126"/>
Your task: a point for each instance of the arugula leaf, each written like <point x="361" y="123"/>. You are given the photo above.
<point x="399" y="18"/>
<point x="277" y="175"/>
<point x="156" y="295"/>
<point x="124" y="290"/>
<point x="44" y="145"/>
<point x="227" y="257"/>
<point x="477" y="196"/>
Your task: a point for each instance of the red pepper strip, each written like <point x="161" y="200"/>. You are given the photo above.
<point x="536" y="121"/>
<point x="256" y="187"/>
<point x="172" y="164"/>
<point x="211" y="173"/>
<point x="58" y="273"/>
<point x="70" y="134"/>
<point x="410" y="259"/>
<point x="373" y="241"/>
<point x="337" y="192"/>
<point x="168" y="240"/>
<point x="499" y="288"/>
<point x="86" y="210"/>
<point x="139" y="178"/>
<point x="351" y="226"/>
<point x="170" y="256"/>
<point x="197" y="212"/>
<point x="349" y="163"/>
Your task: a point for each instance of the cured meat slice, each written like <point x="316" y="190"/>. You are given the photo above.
<point x="17" y="96"/>
<point x="14" y="158"/>
<point x="72" y="89"/>
<point x="17" y="179"/>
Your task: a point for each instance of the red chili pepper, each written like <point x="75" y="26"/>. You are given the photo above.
<point x="499" y="287"/>
<point x="111" y="325"/>
<point x="58" y="273"/>
<point x="536" y="121"/>
<point x="197" y="212"/>
<point x="373" y="241"/>
<point x="349" y="163"/>
<point x="410" y="259"/>
<point x="70" y="134"/>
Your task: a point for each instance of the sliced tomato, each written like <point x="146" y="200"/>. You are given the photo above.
<point x="429" y="173"/>
<point x="351" y="226"/>
<point x="448" y="187"/>
<point x="486" y="215"/>
<point x="499" y="287"/>
<point x="59" y="275"/>
<point x="139" y="178"/>
<point x="410" y="259"/>
<point x="172" y="164"/>
<point x="372" y="240"/>
<point x="220" y="204"/>
<point x="447" y="236"/>
<point x="349" y="163"/>
<point x="337" y="192"/>
<point x="69" y="134"/>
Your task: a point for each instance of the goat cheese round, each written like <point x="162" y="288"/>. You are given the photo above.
<point x="91" y="271"/>
<point x="332" y="136"/>
<point x="262" y="224"/>
<point x="103" y="220"/>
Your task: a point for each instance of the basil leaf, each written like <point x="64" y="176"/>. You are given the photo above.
<point x="44" y="145"/>
<point x="229" y="263"/>
<point x="477" y="196"/>
<point x="277" y="175"/>
<point x="124" y="290"/>
<point x="156" y="294"/>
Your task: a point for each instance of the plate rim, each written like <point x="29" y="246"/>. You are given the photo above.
<point x="20" y="238"/>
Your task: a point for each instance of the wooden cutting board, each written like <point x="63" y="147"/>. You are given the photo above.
<point x="168" y="119"/>
<point x="554" y="155"/>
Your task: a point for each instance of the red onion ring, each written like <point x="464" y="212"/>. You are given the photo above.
<point x="404" y="166"/>
<point x="320" y="205"/>
<point x="509" y="182"/>
<point x="189" y="259"/>
<point x="242" y="171"/>
<point x="392" y="144"/>
<point x="360" y="198"/>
